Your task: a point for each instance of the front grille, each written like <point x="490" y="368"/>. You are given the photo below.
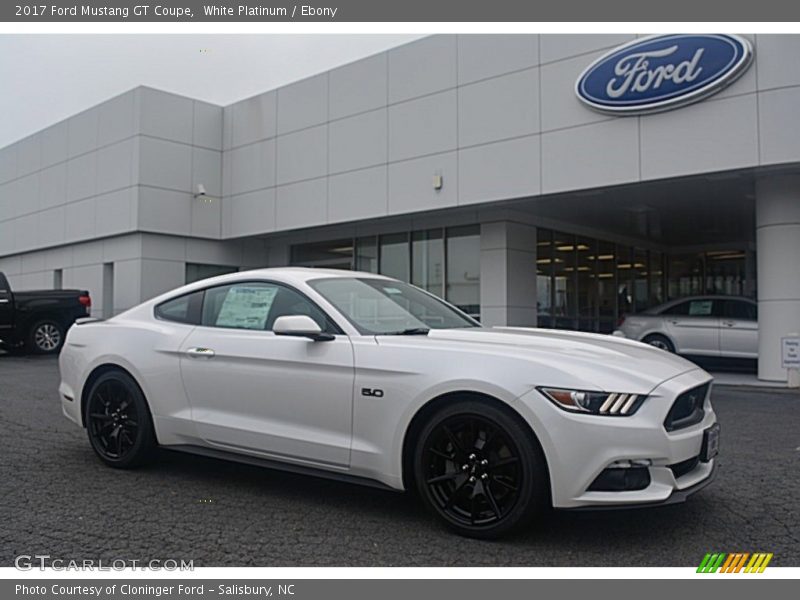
<point x="687" y="409"/>
<point x="685" y="466"/>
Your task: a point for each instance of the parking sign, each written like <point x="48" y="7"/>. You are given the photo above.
<point x="790" y="352"/>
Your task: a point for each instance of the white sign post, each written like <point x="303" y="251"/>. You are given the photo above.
<point x="790" y="359"/>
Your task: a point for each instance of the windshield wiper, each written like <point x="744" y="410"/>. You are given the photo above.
<point x="409" y="331"/>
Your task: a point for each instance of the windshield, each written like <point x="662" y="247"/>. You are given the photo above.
<point x="383" y="306"/>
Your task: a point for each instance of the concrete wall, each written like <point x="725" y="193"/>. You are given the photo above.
<point x="496" y="116"/>
<point x="128" y="164"/>
<point x="71" y="182"/>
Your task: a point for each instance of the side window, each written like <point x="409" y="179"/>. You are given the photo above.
<point x="701" y="308"/>
<point x="692" y="308"/>
<point x="183" y="309"/>
<point x="239" y="306"/>
<point x="256" y="305"/>
<point x="677" y="310"/>
<point x="736" y="309"/>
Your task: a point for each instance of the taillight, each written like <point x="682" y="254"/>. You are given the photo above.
<point x="621" y="321"/>
<point x="86" y="301"/>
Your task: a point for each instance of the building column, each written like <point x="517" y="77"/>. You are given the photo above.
<point x="778" y="258"/>
<point x="508" y="274"/>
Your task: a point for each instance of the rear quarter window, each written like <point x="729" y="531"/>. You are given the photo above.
<point x="183" y="309"/>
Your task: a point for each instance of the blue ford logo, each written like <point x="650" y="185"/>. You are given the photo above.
<point x="663" y="72"/>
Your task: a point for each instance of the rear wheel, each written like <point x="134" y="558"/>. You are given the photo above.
<point x="118" y="422"/>
<point x="660" y="342"/>
<point x="478" y="470"/>
<point x="46" y="337"/>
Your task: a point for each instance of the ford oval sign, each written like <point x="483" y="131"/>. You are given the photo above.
<point x="662" y="72"/>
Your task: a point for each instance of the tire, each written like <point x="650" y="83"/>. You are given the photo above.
<point x="659" y="341"/>
<point x="479" y="470"/>
<point x="118" y="421"/>
<point x="46" y="337"/>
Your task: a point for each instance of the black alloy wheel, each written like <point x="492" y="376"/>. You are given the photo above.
<point x="117" y="421"/>
<point x="479" y="471"/>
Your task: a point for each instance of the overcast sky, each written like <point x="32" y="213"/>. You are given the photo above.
<point x="46" y="78"/>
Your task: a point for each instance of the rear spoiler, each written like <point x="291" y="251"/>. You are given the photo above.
<point x="84" y="320"/>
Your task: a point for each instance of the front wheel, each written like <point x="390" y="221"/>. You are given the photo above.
<point x="479" y="470"/>
<point x="118" y="422"/>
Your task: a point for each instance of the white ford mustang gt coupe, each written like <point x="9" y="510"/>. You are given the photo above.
<point x="367" y="379"/>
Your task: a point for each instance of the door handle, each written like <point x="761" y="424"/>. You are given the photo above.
<point x="728" y="323"/>
<point x="200" y="352"/>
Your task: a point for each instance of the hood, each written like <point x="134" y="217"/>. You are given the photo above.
<point x="592" y="361"/>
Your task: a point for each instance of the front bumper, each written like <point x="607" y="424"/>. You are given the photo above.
<point x="677" y="497"/>
<point x="578" y="447"/>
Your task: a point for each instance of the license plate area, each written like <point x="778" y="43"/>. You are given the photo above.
<point x="710" y="443"/>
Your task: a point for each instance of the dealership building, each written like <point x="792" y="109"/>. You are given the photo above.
<point x="469" y="165"/>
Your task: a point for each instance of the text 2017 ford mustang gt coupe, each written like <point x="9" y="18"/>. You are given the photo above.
<point x="367" y="379"/>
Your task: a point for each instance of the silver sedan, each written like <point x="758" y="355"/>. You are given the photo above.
<point x="725" y="326"/>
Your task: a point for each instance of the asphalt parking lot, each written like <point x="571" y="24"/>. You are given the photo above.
<point x="56" y="498"/>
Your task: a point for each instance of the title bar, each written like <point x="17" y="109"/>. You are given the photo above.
<point x="402" y="11"/>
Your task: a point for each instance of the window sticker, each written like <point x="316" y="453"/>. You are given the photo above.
<point x="700" y="308"/>
<point x="246" y="307"/>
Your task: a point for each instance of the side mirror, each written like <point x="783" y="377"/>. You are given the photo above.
<point x="300" y="326"/>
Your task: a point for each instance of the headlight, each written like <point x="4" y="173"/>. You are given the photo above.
<point x="596" y="403"/>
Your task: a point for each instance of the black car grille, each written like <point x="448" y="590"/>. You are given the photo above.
<point x="687" y="410"/>
<point x="686" y="466"/>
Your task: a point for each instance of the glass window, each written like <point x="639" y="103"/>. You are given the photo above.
<point x="196" y="271"/>
<point x="701" y="308"/>
<point x="655" y="273"/>
<point x="586" y="263"/>
<point x="738" y="309"/>
<point x="256" y="305"/>
<point x="394" y="256"/>
<point x="544" y="277"/>
<point x="606" y="286"/>
<point x="565" y="302"/>
<point x="685" y="275"/>
<point x="692" y="308"/>
<point x="367" y="254"/>
<point x="427" y="260"/>
<point x="336" y="254"/>
<point x="464" y="269"/>
<point x="624" y="280"/>
<point x="639" y="277"/>
<point x="725" y="272"/>
<point x="378" y="306"/>
<point x="183" y="309"/>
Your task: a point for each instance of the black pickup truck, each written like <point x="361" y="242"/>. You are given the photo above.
<point x="38" y="320"/>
